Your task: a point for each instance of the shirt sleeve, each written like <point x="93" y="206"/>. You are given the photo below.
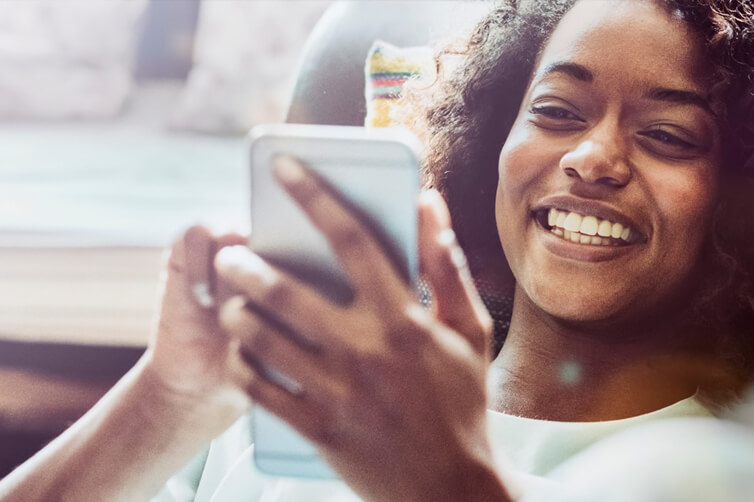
<point x="183" y="485"/>
<point x="198" y="480"/>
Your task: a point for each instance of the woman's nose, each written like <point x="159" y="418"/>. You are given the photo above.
<point x="600" y="158"/>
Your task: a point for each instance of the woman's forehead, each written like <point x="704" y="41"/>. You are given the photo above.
<point x="639" y="38"/>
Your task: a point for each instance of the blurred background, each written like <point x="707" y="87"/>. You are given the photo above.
<point x="121" y="122"/>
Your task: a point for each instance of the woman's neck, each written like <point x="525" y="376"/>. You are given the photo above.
<point x="551" y="370"/>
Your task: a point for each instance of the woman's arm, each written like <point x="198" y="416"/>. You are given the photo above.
<point x="122" y="449"/>
<point x="181" y="394"/>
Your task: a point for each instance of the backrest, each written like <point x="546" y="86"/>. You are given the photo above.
<point x="329" y="87"/>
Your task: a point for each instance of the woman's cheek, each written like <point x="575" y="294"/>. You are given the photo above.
<point x="517" y="149"/>
<point x="522" y="170"/>
<point x="687" y="203"/>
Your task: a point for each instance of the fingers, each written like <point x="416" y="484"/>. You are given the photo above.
<point x="444" y="264"/>
<point x="265" y="341"/>
<point x="196" y="251"/>
<point x="198" y="246"/>
<point x="289" y="379"/>
<point x="359" y="253"/>
<point x="294" y="304"/>
<point x="306" y="416"/>
<point x="187" y="287"/>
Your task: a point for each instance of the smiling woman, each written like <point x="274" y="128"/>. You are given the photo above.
<point x="593" y="141"/>
<point x="617" y="144"/>
<point x="591" y="149"/>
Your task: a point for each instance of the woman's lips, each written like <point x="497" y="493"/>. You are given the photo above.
<point x="588" y="217"/>
<point x="585" y="237"/>
<point x="585" y="228"/>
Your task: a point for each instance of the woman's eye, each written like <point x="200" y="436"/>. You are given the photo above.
<point x="667" y="139"/>
<point x="554" y="112"/>
<point x="555" y="118"/>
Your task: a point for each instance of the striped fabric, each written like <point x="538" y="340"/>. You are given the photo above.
<point x="388" y="85"/>
<point x="386" y="71"/>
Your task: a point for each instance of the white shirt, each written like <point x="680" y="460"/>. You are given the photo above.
<point x="530" y="447"/>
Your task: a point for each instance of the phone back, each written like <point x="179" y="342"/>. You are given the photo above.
<point x="376" y="171"/>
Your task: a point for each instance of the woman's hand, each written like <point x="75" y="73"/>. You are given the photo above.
<point x="190" y="357"/>
<point x="180" y="395"/>
<point x="392" y="394"/>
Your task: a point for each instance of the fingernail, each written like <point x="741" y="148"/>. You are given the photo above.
<point x="446" y="237"/>
<point x="232" y="255"/>
<point x="242" y="260"/>
<point x="202" y="295"/>
<point x="287" y="169"/>
<point x="430" y="196"/>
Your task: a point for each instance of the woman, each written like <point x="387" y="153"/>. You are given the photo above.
<point x="466" y="118"/>
<point x="619" y="115"/>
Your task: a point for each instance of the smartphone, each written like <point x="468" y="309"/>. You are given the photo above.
<point x="375" y="172"/>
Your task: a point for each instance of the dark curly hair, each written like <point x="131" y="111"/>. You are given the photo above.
<point x="471" y="111"/>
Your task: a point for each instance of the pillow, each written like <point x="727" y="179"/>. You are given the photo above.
<point x="388" y="67"/>
<point x="245" y="56"/>
<point x="387" y="70"/>
<point x="66" y="59"/>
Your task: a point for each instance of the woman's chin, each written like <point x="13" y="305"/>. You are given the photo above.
<point x="596" y="310"/>
<point x="597" y="297"/>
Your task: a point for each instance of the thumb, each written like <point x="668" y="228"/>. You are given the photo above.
<point x="443" y="263"/>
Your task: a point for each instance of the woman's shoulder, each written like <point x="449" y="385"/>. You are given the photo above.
<point x="682" y="458"/>
<point x="536" y="446"/>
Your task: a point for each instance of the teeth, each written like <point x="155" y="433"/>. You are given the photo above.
<point x="605" y="228"/>
<point x="588" y="229"/>
<point x="588" y="225"/>
<point x="552" y="217"/>
<point x="573" y="222"/>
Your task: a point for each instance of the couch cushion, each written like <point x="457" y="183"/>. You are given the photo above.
<point x="51" y="68"/>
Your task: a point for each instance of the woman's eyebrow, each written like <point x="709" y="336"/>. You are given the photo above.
<point x="574" y="70"/>
<point x="680" y="97"/>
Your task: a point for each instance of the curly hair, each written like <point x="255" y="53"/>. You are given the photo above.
<point x="470" y="112"/>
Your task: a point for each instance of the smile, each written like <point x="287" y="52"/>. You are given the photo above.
<point x="586" y="229"/>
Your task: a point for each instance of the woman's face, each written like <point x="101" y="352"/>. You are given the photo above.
<point x="608" y="177"/>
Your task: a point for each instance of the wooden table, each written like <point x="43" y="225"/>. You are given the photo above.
<point x="73" y="320"/>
